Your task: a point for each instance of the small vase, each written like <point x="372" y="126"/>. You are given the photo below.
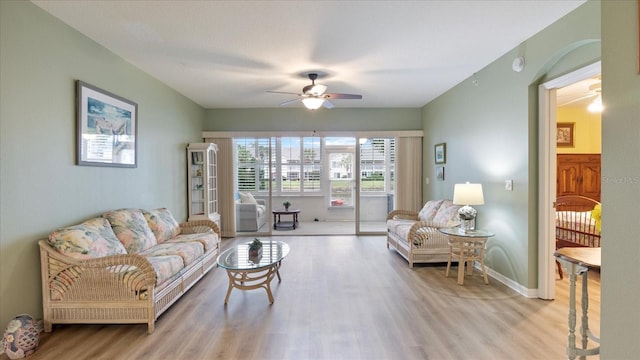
<point x="21" y="337"/>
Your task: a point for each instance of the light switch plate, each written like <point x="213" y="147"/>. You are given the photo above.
<point x="508" y="185"/>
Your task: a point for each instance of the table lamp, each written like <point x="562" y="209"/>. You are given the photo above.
<point x="467" y="194"/>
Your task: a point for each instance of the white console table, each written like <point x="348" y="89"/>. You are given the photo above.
<point x="578" y="261"/>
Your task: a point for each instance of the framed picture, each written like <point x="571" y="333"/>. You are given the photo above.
<point x="440" y="173"/>
<point x="107" y="127"/>
<point x="564" y="136"/>
<point x="441" y="153"/>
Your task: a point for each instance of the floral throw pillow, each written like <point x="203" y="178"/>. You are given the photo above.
<point x="93" y="238"/>
<point x="162" y="223"/>
<point x="429" y="210"/>
<point x="448" y="213"/>
<point x="132" y="229"/>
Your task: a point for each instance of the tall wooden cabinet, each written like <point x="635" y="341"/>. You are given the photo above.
<point x="203" y="182"/>
<point x="578" y="174"/>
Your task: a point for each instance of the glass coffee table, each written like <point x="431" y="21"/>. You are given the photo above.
<point x="252" y="272"/>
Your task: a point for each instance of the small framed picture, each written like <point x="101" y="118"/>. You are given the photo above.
<point x="441" y="153"/>
<point x="107" y="127"/>
<point x="564" y="136"/>
<point x="440" y="173"/>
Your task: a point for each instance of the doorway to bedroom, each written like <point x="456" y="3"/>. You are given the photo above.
<point x="570" y="149"/>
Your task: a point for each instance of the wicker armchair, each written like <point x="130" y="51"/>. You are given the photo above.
<point x="419" y="241"/>
<point x="115" y="289"/>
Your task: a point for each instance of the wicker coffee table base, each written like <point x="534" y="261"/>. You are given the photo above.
<point x="253" y="279"/>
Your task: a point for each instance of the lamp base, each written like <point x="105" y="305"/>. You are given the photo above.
<point x="467" y="225"/>
<point x="467" y="218"/>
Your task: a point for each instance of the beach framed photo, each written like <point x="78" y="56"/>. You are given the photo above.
<point x="107" y="128"/>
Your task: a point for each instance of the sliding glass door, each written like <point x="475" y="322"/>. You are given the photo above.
<point x="329" y="179"/>
<point x="253" y="183"/>
<point x="376" y="183"/>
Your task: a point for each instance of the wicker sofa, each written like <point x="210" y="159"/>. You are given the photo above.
<point x="415" y="235"/>
<point x="126" y="266"/>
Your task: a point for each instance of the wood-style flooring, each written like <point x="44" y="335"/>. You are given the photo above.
<point x="341" y="297"/>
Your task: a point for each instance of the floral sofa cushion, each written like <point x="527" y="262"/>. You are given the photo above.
<point x="429" y="210"/>
<point x="166" y="267"/>
<point x="162" y="223"/>
<point x="208" y="240"/>
<point x="93" y="238"/>
<point x="447" y="213"/>
<point x="188" y="251"/>
<point x="131" y="227"/>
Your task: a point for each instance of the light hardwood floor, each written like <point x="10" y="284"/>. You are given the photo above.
<point x="341" y="297"/>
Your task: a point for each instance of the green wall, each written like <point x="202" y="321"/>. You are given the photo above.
<point x="620" y="316"/>
<point x="41" y="188"/>
<point x="490" y="130"/>
<point x="489" y="123"/>
<point x="300" y="119"/>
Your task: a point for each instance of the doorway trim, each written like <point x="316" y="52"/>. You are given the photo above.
<point x="547" y="173"/>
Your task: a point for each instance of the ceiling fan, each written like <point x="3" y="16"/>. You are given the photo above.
<point x="313" y="96"/>
<point x="580" y="91"/>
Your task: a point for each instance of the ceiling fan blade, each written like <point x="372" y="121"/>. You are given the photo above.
<point x="327" y="104"/>
<point x="288" y="102"/>
<point x="578" y="99"/>
<point x="342" y="96"/>
<point x="282" y="92"/>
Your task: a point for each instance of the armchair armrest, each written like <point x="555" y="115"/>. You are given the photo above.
<point x="424" y="233"/>
<point x="402" y="214"/>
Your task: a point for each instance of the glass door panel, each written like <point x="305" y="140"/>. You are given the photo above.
<point x="376" y="182"/>
<point x="254" y="176"/>
<point x="341" y="179"/>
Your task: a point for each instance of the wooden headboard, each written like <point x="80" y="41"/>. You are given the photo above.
<point x="575" y="203"/>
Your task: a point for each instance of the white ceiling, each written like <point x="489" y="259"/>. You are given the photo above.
<point x="227" y="54"/>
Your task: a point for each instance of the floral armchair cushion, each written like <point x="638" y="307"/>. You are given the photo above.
<point x="93" y="238"/>
<point x="429" y="210"/>
<point x="162" y="223"/>
<point x="131" y="227"/>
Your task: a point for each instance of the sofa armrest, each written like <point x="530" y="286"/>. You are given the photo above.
<point x="403" y="214"/>
<point x="261" y="202"/>
<point x="111" y="278"/>
<point x="195" y="226"/>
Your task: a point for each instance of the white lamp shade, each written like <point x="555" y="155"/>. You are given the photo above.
<point x="312" y="103"/>
<point x="468" y="194"/>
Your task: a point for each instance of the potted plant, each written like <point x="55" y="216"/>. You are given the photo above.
<point x="255" y="248"/>
<point x="286" y="205"/>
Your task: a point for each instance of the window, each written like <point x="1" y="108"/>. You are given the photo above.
<point x="377" y="165"/>
<point x="252" y="164"/>
<point x="296" y="164"/>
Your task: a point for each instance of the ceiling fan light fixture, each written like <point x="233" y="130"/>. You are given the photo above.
<point x="312" y="103"/>
<point x="596" y="105"/>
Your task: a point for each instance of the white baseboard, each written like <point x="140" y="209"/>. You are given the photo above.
<point x="529" y="293"/>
